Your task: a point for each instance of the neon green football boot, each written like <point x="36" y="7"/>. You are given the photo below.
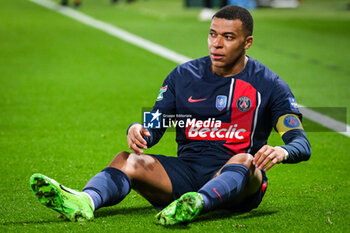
<point x="184" y="209"/>
<point x="74" y="205"/>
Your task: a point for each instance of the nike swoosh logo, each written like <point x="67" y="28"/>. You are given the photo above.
<point x="194" y="100"/>
<point x="68" y="191"/>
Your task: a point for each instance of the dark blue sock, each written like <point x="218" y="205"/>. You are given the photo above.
<point x="223" y="189"/>
<point x="108" y="187"/>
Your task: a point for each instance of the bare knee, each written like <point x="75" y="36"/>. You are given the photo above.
<point x="125" y="162"/>
<point x="244" y="159"/>
<point x="135" y="166"/>
<point x="120" y="158"/>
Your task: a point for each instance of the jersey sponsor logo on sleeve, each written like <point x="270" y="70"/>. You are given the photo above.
<point x="243" y="103"/>
<point x="293" y="104"/>
<point x="288" y="122"/>
<point x="221" y="102"/>
<point x="161" y="92"/>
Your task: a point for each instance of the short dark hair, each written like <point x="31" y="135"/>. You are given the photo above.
<point x="232" y="12"/>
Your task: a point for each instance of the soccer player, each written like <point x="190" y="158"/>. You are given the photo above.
<point x="229" y="102"/>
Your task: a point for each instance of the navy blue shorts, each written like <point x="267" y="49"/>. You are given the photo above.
<point x="189" y="174"/>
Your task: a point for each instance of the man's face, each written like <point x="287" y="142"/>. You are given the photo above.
<point x="227" y="42"/>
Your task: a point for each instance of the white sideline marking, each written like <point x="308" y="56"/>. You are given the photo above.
<point x="319" y="118"/>
<point x="115" y="31"/>
<point x="325" y="121"/>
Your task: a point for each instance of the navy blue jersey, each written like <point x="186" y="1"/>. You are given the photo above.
<point x="222" y="115"/>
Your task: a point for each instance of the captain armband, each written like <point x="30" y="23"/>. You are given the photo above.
<point x="288" y="122"/>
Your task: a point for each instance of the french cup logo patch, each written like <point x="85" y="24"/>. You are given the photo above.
<point x="221" y="102"/>
<point x="161" y="91"/>
<point x="243" y="104"/>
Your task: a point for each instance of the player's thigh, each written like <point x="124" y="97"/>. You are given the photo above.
<point x="144" y="170"/>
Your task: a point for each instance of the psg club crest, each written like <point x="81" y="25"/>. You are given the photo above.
<point x="244" y="103"/>
<point x="221" y="102"/>
<point x="291" y="122"/>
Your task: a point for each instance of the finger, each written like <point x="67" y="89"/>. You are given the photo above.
<point x="269" y="158"/>
<point x="140" y="144"/>
<point x="258" y="154"/>
<point x="130" y="142"/>
<point x="146" y="132"/>
<point x="273" y="162"/>
<point x="133" y="146"/>
<point x="280" y="155"/>
<point x="141" y="141"/>
<point x="263" y="156"/>
<point x="136" y="149"/>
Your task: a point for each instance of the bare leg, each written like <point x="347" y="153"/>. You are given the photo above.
<point x="147" y="175"/>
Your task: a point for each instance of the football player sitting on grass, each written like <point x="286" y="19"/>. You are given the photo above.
<point x="229" y="102"/>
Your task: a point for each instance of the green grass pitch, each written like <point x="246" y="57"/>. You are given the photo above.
<point x="68" y="92"/>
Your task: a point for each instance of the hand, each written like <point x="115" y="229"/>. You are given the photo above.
<point x="268" y="154"/>
<point x="135" y="138"/>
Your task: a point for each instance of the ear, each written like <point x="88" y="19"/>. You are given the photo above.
<point x="248" y="42"/>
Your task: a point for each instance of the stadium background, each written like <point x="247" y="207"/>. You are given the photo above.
<point x="68" y="93"/>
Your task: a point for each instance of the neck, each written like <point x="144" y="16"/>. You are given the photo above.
<point x="234" y="69"/>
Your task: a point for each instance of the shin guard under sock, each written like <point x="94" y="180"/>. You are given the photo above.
<point x="108" y="187"/>
<point x="223" y="189"/>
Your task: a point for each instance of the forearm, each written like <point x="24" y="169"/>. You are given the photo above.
<point x="297" y="145"/>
